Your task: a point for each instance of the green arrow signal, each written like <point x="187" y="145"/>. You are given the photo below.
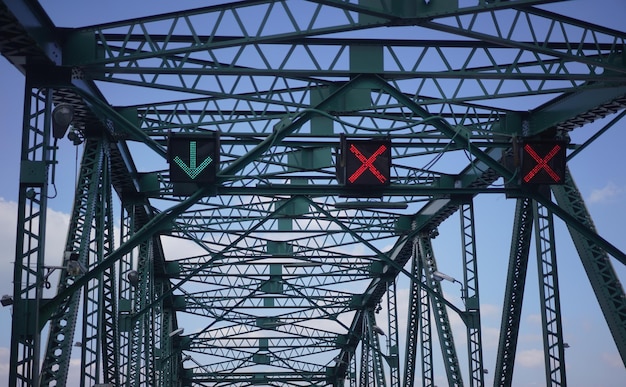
<point x="193" y="170"/>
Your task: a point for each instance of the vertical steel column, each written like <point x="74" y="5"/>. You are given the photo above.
<point x="156" y="332"/>
<point x="366" y="364"/>
<point x="372" y="344"/>
<point x="128" y="219"/>
<point x="470" y="295"/>
<point x="392" y="335"/>
<point x="30" y="242"/>
<point x="413" y="325"/>
<point x="352" y="370"/>
<point x="90" y="359"/>
<point x="597" y="264"/>
<point x="140" y="365"/>
<point x="426" y="332"/>
<point x="99" y="350"/>
<point x="62" y="327"/>
<point x="92" y="292"/>
<point x="446" y="339"/>
<point x="169" y="360"/>
<point x="549" y="293"/>
<point x="109" y="329"/>
<point x="514" y="292"/>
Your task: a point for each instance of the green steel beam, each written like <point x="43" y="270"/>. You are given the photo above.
<point x="596" y="135"/>
<point x="445" y="128"/>
<point x="63" y="325"/>
<point x="108" y="323"/>
<point x="471" y="297"/>
<point x="426" y="334"/>
<point x="542" y="26"/>
<point x="550" y="301"/>
<point x="604" y="280"/>
<point x="304" y="20"/>
<point x="392" y="357"/>
<point x="514" y="292"/>
<point x="578" y="225"/>
<point x="577" y="108"/>
<point x="418" y="326"/>
<point x="442" y="321"/>
<point x="36" y="158"/>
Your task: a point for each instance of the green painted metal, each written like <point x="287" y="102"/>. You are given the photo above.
<point x="371" y="368"/>
<point x="30" y="245"/>
<point x="441" y="320"/>
<point x="554" y="353"/>
<point x="392" y="355"/>
<point x="426" y="334"/>
<point x="62" y="328"/>
<point x="413" y="325"/>
<point x="514" y="292"/>
<point x="107" y="323"/>
<point x="605" y="283"/>
<point x="282" y="268"/>
<point x="471" y="295"/>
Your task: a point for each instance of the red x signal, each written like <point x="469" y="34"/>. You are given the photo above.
<point x="365" y="164"/>
<point x="543" y="162"/>
<point x="368" y="163"/>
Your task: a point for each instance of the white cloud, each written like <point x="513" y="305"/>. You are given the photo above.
<point x="56" y="235"/>
<point x="530" y="358"/>
<point x="491" y="338"/>
<point x="490" y="310"/>
<point x="8" y="215"/>
<point x="534" y="319"/>
<point x="613" y="360"/>
<point x="606" y="194"/>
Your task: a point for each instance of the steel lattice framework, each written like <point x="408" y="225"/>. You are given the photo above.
<point x="279" y="266"/>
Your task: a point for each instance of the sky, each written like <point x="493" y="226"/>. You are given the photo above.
<point x="591" y="359"/>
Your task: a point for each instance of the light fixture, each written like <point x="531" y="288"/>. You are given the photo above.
<point x="133" y="278"/>
<point x="439" y="276"/>
<point x="62" y="117"/>
<point x="75" y="137"/>
<point x="6" y="300"/>
<point x="378" y="330"/>
<point x="177" y="332"/>
<point x="74" y="267"/>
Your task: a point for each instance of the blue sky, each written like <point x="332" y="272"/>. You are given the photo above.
<point x="592" y="359"/>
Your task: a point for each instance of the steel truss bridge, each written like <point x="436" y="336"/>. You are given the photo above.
<point x="283" y="275"/>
